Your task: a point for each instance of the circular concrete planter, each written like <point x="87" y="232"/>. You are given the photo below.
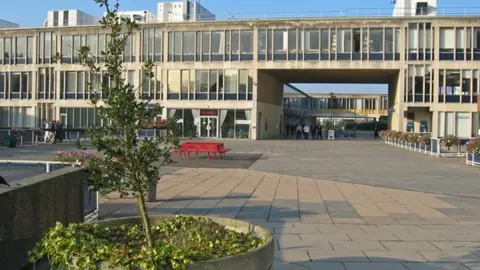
<point x="260" y="258"/>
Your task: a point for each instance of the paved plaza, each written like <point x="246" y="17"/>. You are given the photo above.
<point x="332" y="204"/>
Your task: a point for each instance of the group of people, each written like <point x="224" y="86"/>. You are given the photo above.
<point x="313" y="132"/>
<point x="53" y="131"/>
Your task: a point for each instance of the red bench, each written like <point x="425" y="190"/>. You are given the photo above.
<point x="202" y="147"/>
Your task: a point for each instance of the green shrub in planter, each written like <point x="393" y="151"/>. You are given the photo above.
<point x="404" y="137"/>
<point x="397" y="135"/>
<point x="178" y="243"/>
<point x="425" y="140"/>
<point x="413" y="138"/>
<point x="450" y="141"/>
<point x="473" y="146"/>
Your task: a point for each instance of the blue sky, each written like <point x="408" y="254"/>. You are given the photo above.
<point x="33" y="13"/>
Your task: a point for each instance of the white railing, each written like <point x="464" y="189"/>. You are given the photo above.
<point x="91" y="198"/>
<point x="435" y="148"/>
<point x="355" y="13"/>
<point x="473" y="159"/>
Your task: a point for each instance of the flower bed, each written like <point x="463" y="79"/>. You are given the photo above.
<point x="181" y="242"/>
<point x="75" y="156"/>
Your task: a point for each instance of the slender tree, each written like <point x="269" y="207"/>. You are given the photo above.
<point x="125" y="165"/>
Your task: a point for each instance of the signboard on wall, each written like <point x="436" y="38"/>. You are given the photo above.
<point x="410" y="126"/>
<point x="208" y="112"/>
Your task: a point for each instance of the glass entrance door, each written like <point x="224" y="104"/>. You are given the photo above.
<point x="208" y="127"/>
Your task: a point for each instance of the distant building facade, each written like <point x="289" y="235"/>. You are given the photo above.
<point x="410" y="8"/>
<point x="181" y="11"/>
<point x="69" y="18"/>
<point x="7" y="24"/>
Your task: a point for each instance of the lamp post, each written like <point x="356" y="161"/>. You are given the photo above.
<point x="332" y="98"/>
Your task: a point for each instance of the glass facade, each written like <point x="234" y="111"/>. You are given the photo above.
<point x="351" y="103"/>
<point x="205" y="123"/>
<point x="329" y="44"/>
<point x="16" y="85"/>
<point x="210" y="84"/>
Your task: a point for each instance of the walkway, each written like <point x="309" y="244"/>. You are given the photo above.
<point x="320" y="223"/>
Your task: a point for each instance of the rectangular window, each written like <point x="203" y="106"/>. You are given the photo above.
<point x="262" y="42"/>
<point x="344" y="37"/>
<point x="231" y="81"/>
<point x="127" y="51"/>
<point x="247" y="42"/>
<point x="212" y="84"/>
<point x="324" y="41"/>
<point x="70" y="83"/>
<point x="218" y="42"/>
<point x="65" y="18"/>
<point x="29" y="50"/>
<point x="92" y="43"/>
<point x="292" y="42"/>
<point x="178" y="43"/>
<point x="201" y="81"/>
<point x="312" y="40"/>
<point x="20" y="50"/>
<point x="185" y="83"/>
<point x="389" y="40"/>
<point x="235" y="42"/>
<point x="376" y="40"/>
<point x="280" y="41"/>
<point x="55" y="18"/>
<point x="1" y="51"/>
<point x="174" y="81"/>
<point x="80" y="82"/>
<point x="67" y="46"/>
<point x="76" y="47"/>
<point x="101" y="47"/>
<point x="158" y="45"/>
<point x="243" y="80"/>
<point x="15" y="85"/>
<point x="447" y="43"/>
<point x="205" y="43"/>
<point x="188" y="46"/>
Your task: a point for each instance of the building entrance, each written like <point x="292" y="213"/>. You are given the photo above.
<point x="208" y="126"/>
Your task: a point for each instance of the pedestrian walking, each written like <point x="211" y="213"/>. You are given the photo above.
<point x="306" y="131"/>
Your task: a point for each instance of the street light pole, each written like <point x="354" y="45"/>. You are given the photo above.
<point x="332" y="97"/>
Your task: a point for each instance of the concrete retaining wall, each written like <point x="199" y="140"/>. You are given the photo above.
<point x="33" y="205"/>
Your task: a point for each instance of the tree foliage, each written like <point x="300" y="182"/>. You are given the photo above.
<point x="126" y="165"/>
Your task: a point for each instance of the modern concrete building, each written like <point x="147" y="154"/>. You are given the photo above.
<point x="226" y="78"/>
<point x="7" y="24"/>
<point x="69" y="18"/>
<point x="182" y="11"/>
<point x="409" y="8"/>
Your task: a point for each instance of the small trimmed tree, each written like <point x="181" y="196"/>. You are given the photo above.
<point x="125" y="165"/>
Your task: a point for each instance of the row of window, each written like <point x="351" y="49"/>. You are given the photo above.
<point x="456" y="43"/>
<point x="16" y="85"/>
<point x="230" y="84"/>
<point x="16" y="50"/>
<point x="210" y="84"/>
<point x="329" y="44"/>
<point x="460" y="124"/>
<point x="211" y="45"/>
<point x="350" y="103"/>
<point x="454" y="86"/>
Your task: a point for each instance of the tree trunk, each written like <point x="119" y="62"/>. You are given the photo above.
<point x="145" y="219"/>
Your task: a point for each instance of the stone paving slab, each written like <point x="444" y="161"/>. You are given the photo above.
<point x="299" y="212"/>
